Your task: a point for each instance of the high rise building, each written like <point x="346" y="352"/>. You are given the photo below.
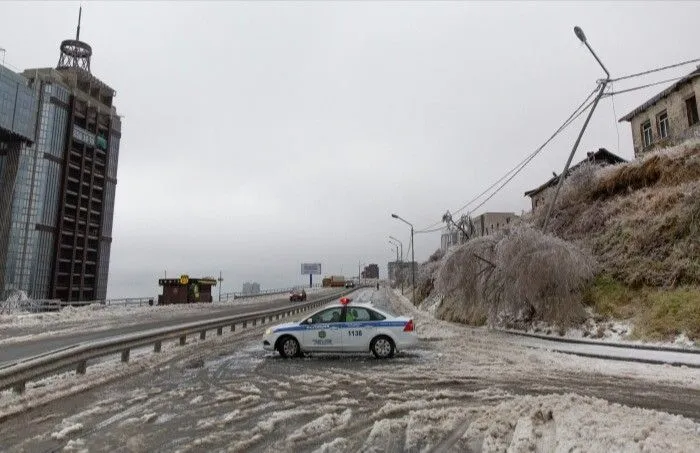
<point x="62" y="184"/>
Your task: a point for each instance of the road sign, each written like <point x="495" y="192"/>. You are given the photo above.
<point x="311" y="268"/>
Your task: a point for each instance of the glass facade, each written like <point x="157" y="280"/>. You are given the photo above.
<point x="56" y="190"/>
<point x="34" y="201"/>
<point x="17" y="104"/>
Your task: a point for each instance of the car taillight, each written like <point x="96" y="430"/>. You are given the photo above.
<point x="409" y="326"/>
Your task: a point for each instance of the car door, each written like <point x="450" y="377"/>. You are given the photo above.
<point x="359" y="329"/>
<point x="323" y="331"/>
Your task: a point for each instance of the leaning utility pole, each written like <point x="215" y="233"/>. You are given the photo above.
<point x="603" y="83"/>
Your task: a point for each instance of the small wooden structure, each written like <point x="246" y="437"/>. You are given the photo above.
<point x="185" y="290"/>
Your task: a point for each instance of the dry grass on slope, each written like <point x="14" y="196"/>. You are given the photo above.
<point x="641" y="220"/>
<point x="514" y="277"/>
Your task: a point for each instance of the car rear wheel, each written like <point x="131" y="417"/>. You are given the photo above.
<point x="289" y="347"/>
<point x="382" y="347"/>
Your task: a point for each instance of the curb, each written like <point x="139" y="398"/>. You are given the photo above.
<point x="623" y="359"/>
<point x="599" y="343"/>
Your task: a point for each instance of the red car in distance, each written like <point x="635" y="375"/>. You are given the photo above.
<point x="298" y="295"/>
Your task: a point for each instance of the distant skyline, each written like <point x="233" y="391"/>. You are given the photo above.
<point x="260" y="135"/>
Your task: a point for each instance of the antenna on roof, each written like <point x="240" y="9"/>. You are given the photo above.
<point x="77" y="33"/>
<point x="74" y="52"/>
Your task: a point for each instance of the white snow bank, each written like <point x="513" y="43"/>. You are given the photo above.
<point x="564" y="423"/>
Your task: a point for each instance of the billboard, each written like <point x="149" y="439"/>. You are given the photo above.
<point x="310" y="268"/>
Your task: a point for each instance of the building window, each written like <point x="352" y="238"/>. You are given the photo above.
<point x="691" y="109"/>
<point x="646" y="133"/>
<point x="662" y="124"/>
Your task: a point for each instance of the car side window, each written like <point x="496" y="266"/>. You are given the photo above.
<point x="374" y="316"/>
<point x="330" y="315"/>
<point x="357" y="314"/>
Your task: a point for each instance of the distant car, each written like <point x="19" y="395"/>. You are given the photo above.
<point x="349" y="284"/>
<point x="343" y="327"/>
<point x="298" y="295"/>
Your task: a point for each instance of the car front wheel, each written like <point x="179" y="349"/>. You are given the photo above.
<point x="382" y="347"/>
<point x="289" y="347"/>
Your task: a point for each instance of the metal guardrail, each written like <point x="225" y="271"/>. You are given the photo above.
<point x="17" y="374"/>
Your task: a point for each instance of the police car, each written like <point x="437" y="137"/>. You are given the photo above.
<point x="344" y="327"/>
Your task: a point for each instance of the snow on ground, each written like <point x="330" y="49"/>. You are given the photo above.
<point x="565" y="423"/>
<point x="57" y="386"/>
<point x="608" y="331"/>
<point x="463" y="389"/>
<point x="494" y="352"/>
<point x="604" y="330"/>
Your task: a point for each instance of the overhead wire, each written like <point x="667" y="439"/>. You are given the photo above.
<point x="617" y="126"/>
<point x="641" y="87"/>
<point x="651" y="71"/>
<point x="576" y="113"/>
<point x="514" y="171"/>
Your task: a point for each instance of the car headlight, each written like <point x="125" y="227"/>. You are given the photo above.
<point x="268" y="332"/>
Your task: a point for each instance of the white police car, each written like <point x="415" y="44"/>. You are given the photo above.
<point x="343" y="328"/>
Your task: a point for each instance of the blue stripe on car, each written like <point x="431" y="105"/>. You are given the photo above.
<point x="342" y="325"/>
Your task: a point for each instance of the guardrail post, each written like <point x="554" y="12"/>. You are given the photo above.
<point x="203" y="335"/>
<point x="19" y="387"/>
<point x="233" y="327"/>
<point x="245" y="324"/>
<point x="262" y="320"/>
<point x="220" y="331"/>
<point x="255" y="322"/>
<point x="278" y="316"/>
<point x="125" y="355"/>
<point x="157" y="346"/>
<point x="82" y="367"/>
<point x="183" y="340"/>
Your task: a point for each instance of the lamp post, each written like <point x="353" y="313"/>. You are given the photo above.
<point x="399" y="262"/>
<point x="413" y="255"/>
<point x="400" y="243"/>
<point x="582" y="37"/>
<point x="359" y="275"/>
<point x="220" y="280"/>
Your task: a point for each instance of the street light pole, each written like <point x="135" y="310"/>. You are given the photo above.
<point x="413" y="254"/>
<point x="582" y="37"/>
<point x="400" y="243"/>
<point x="220" y="279"/>
<point x="397" y="259"/>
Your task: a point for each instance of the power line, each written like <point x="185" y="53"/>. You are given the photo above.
<point x="576" y="113"/>
<point x="663" y="68"/>
<point x="641" y="87"/>
<point x="428" y="231"/>
<point x="617" y="128"/>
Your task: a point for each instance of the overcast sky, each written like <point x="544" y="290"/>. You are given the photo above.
<point x="257" y="136"/>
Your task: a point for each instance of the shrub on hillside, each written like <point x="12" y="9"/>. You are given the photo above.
<point x="513" y="277"/>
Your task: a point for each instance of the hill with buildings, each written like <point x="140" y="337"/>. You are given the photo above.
<point x="623" y="244"/>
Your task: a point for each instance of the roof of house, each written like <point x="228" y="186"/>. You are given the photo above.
<point x="600" y="156"/>
<point x="661" y="95"/>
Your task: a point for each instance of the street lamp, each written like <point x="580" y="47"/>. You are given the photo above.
<point x="582" y="37"/>
<point x="400" y="243"/>
<point x="413" y="255"/>
<point x="398" y="261"/>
